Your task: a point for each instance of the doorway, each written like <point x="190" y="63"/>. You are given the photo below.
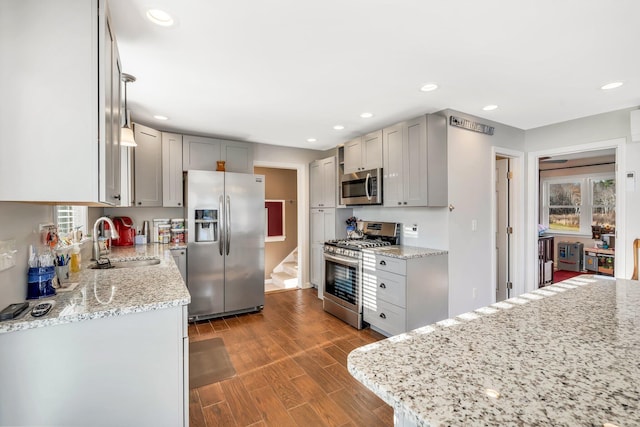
<point x="282" y="254"/>
<point x="507" y="206"/>
<point x="503" y="228"/>
<point x="533" y="202"/>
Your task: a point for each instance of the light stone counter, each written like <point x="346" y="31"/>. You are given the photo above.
<point x="565" y="355"/>
<point x="115" y="292"/>
<point x="407" y="252"/>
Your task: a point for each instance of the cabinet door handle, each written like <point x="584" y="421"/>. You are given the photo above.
<point x="404" y="203"/>
<point x="383" y="262"/>
<point x="382" y="315"/>
<point x="383" y="286"/>
<point x="139" y="203"/>
<point x="179" y="204"/>
<point x="399" y="203"/>
<point x="117" y="197"/>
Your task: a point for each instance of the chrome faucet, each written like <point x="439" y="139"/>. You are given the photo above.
<point x="96" y="245"/>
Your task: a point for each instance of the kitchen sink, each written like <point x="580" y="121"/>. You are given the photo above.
<point x="106" y="264"/>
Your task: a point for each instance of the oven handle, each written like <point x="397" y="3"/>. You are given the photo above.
<point x="342" y="260"/>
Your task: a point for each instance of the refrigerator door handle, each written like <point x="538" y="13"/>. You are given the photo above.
<point x="220" y="238"/>
<point x="228" y="224"/>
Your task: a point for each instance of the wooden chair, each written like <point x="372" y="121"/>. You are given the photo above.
<point x="636" y="246"/>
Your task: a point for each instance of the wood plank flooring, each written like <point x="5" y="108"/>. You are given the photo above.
<point x="291" y="369"/>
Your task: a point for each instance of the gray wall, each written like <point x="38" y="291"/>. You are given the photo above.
<point x="601" y="127"/>
<point x="470" y="189"/>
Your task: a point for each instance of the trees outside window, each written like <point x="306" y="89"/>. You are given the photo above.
<point x="573" y="204"/>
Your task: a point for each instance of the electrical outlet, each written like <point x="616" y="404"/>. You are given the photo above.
<point x="474" y="225"/>
<point x="474" y="293"/>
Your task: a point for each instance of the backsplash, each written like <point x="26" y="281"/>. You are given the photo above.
<point x="19" y="222"/>
<point x="431" y="224"/>
<point x="140" y="214"/>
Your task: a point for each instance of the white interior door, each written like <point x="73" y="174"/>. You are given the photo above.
<point x="503" y="243"/>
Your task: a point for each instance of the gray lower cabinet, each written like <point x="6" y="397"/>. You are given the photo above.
<point x="147" y="167"/>
<point x="180" y="258"/>
<point x="404" y="294"/>
<point x="324" y="224"/>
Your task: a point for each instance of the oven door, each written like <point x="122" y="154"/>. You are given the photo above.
<point x="342" y="281"/>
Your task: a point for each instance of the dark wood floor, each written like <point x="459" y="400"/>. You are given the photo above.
<point x="291" y="362"/>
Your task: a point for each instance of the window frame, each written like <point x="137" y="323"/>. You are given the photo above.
<point x="81" y="212"/>
<point x="586" y="199"/>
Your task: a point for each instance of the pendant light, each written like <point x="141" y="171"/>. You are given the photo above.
<point x="126" y="133"/>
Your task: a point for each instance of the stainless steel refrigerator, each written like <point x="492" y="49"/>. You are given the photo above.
<point x="225" y="252"/>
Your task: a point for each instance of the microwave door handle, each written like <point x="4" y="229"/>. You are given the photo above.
<point x="367" y="182"/>
<point x="228" y="223"/>
<point x="221" y="228"/>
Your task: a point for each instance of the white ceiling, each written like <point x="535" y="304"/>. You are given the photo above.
<point x="283" y="71"/>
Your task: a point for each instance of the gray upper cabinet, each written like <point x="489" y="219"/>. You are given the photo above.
<point x="415" y="162"/>
<point x="322" y="183"/>
<point x="238" y="156"/>
<point x="199" y="153"/>
<point x="147" y="167"/>
<point x="110" y="175"/>
<point x="202" y="153"/>
<point x="171" y="170"/>
<point x="63" y="79"/>
<point x="363" y="153"/>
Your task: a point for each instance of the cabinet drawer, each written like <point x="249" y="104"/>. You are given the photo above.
<point x="392" y="265"/>
<point x="386" y="317"/>
<point x="391" y="288"/>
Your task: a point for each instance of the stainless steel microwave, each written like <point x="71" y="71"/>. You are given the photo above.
<point x="361" y="188"/>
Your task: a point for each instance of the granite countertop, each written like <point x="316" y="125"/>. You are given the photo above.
<point x="565" y="355"/>
<point x="406" y="252"/>
<point x="95" y="294"/>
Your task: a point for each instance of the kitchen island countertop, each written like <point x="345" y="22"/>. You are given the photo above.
<point x="115" y="292"/>
<point x="564" y="355"/>
<point x="406" y="252"/>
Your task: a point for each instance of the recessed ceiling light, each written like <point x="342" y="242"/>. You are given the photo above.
<point x="611" y="85"/>
<point x="429" y="87"/>
<point x="366" y="115"/>
<point x="160" y="17"/>
<point x="338" y="127"/>
<point x="489" y="107"/>
<point x="159" y="117"/>
<point x="311" y="140"/>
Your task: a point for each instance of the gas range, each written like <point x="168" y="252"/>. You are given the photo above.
<point x="353" y="247"/>
<point x="369" y="234"/>
<point x="343" y="269"/>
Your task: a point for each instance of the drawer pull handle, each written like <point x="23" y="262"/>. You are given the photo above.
<point x="383" y="262"/>
<point x="383" y="286"/>
<point x="383" y="315"/>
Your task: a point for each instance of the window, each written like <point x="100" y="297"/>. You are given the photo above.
<point x="571" y="205"/>
<point x="604" y="202"/>
<point x="70" y="218"/>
